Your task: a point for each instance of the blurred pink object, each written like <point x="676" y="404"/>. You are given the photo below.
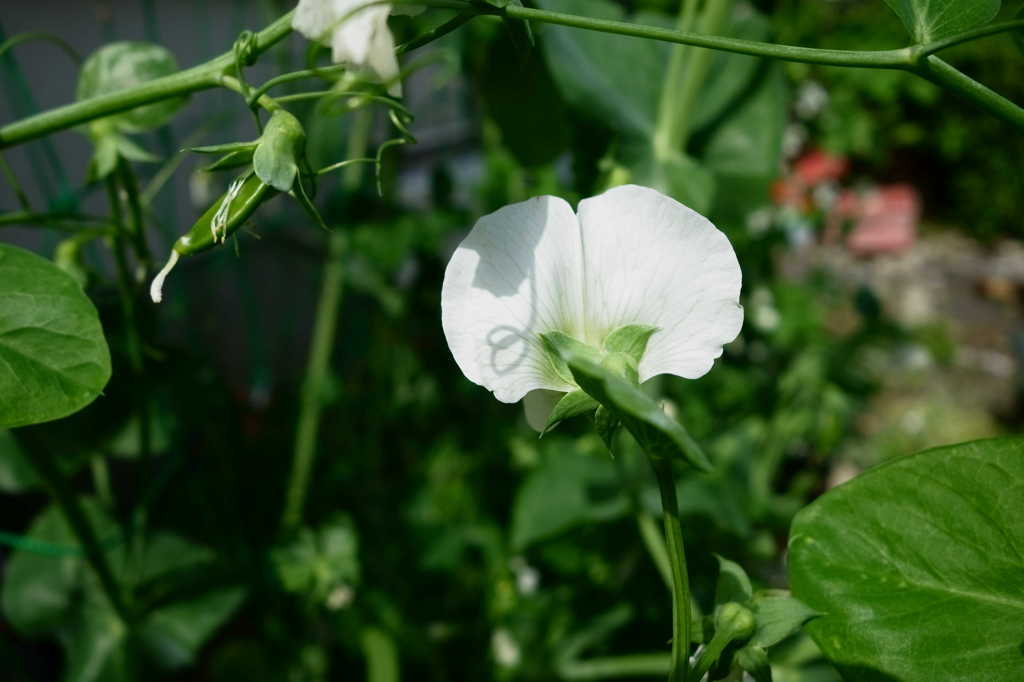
<point x="885" y="220"/>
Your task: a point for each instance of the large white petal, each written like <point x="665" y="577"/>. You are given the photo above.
<point x="518" y="274"/>
<point x="651" y="260"/>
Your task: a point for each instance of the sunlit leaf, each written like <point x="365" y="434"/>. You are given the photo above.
<point x="918" y="566"/>
<point x="928" y="20"/>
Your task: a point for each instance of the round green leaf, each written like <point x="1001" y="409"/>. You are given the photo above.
<point x="918" y="566"/>
<point x="123" y="65"/>
<point x="53" y="358"/>
<point x="928" y="20"/>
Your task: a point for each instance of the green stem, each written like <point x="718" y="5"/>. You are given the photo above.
<point x="201" y="77"/>
<point x="126" y="289"/>
<point x="44" y="465"/>
<point x="64" y="222"/>
<point x="136" y="221"/>
<point x="629" y="666"/>
<point x="713" y="20"/>
<point x="665" y="139"/>
<point x="709" y="655"/>
<point x="878" y="59"/>
<point x="12" y="180"/>
<point x="680" y="581"/>
<point x="655" y="544"/>
<point x="324" y="329"/>
<point x="949" y="77"/>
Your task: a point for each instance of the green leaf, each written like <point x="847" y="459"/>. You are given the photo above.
<point x="607" y="424"/>
<point x="231" y="160"/>
<point x="613" y="79"/>
<point x="37" y="587"/>
<point x="631" y="339"/>
<point x="733" y="583"/>
<point x="104" y="157"/>
<point x="576" y="479"/>
<point x="678" y="175"/>
<point x="754" y="660"/>
<point x="134" y="152"/>
<point x="749" y="142"/>
<point x="318" y="561"/>
<point x="656" y="433"/>
<point x="571" y="405"/>
<point x="15" y="473"/>
<point x="53" y="358"/>
<point x="731" y="75"/>
<point x="1018" y="35"/>
<point x="918" y="566"/>
<point x="778" y="616"/>
<point x="121" y="65"/>
<point x="520" y="96"/>
<point x="928" y="20"/>
<point x="382" y="662"/>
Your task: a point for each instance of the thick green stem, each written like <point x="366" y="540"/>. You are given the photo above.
<point x="324" y="328"/>
<point x="713" y="20"/>
<point x="878" y="59"/>
<point x="949" y="77"/>
<point x="202" y="77"/>
<point x="680" y="581"/>
<point x="665" y="138"/>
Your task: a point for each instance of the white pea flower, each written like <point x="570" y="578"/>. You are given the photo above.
<point x="630" y="256"/>
<point x="357" y="32"/>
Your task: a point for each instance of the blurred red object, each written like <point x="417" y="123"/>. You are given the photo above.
<point x="885" y="220"/>
<point x="816" y="167"/>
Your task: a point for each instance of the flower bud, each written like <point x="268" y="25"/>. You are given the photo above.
<point x="734" y="620"/>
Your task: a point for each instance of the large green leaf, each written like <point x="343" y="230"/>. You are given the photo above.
<point x="53" y="358"/>
<point x="616" y="80"/>
<point x="584" y="484"/>
<point x="749" y="142"/>
<point x="519" y="94"/>
<point x="928" y="20"/>
<point x="918" y="566"/>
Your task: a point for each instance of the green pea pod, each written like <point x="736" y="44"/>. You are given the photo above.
<point x="223" y="218"/>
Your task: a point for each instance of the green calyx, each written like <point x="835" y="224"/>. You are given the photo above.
<point x="604" y="376"/>
<point x="620" y="354"/>
<point x="281" y="151"/>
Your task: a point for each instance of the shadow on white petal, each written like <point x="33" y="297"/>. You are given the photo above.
<point x="516" y="275"/>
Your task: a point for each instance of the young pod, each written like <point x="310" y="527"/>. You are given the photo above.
<point x="223" y="218"/>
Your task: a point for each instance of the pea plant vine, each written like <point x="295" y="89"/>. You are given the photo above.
<point x="912" y="571"/>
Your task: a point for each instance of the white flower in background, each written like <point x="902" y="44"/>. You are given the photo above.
<point x="357" y="32"/>
<point x="630" y="256"/>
